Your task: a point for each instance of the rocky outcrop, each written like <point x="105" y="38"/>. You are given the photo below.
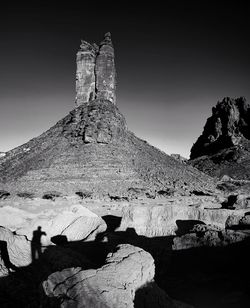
<point x="67" y="224"/>
<point x="75" y="222"/>
<point x="91" y="149"/>
<point x="18" y="249"/>
<point x="160" y="220"/>
<point x="2" y="154"/>
<point x="105" y="71"/>
<point x="127" y="270"/>
<point x="208" y="236"/>
<point x="237" y="201"/>
<point x="227" y="127"/>
<point x="179" y="158"/>
<point x="95" y="74"/>
<point x="85" y="73"/>
<point x="224" y="146"/>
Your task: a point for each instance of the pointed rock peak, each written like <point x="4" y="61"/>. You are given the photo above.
<point x="231" y="103"/>
<point x="107" y="39"/>
<point x="228" y="126"/>
<point x="95" y="73"/>
<point x="86" y="46"/>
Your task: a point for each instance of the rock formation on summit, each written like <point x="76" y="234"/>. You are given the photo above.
<point x="91" y="148"/>
<point x="95" y="75"/>
<point x="224" y="146"/>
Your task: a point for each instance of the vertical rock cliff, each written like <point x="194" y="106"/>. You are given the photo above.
<point x="105" y="70"/>
<point x="95" y="72"/>
<point x="85" y="73"/>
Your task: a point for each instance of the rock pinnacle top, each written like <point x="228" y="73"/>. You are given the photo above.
<point x="95" y="73"/>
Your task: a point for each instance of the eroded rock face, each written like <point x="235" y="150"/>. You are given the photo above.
<point x="209" y="236"/>
<point x="160" y="220"/>
<point x="74" y="223"/>
<point x="228" y="126"/>
<point x="96" y="74"/>
<point x="18" y="247"/>
<point x="224" y="146"/>
<point x="91" y="148"/>
<point x="85" y="73"/>
<point x="98" y="121"/>
<point x="105" y="70"/>
<point x="113" y="285"/>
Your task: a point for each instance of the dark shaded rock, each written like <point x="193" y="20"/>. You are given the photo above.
<point x="151" y="295"/>
<point x="51" y="195"/>
<point x="224" y="146"/>
<point x="210" y="236"/>
<point x="185" y="226"/>
<point x="84" y="194"/>
<point x="117" y="198"/>
<point x="237" y="202"/>
<point x="238" y="222"/>
<point x="4" y="194"/>
<point x="232" y="221"/>
<point x="26" y="195"/>
<point x="227" y="126"/>
<point x="126" y="280"/>
<point x="166" y="192"/>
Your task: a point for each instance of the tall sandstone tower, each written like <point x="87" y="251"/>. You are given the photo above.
<point x="95" y="72"/>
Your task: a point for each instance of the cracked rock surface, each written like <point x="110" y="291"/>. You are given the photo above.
<point x="127" y="270"/>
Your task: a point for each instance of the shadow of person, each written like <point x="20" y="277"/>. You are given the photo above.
<point x="5" y="257"/>
<point x="36" y="247"/>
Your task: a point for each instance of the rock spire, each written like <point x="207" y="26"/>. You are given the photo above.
<point x="95" y="73"/>
<point x="228" y="126"/>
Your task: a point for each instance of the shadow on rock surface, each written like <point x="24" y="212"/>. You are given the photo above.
<point x="203" y="277"/>
<point x="185" y="226"/>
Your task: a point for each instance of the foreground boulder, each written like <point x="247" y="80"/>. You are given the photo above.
<point x="18" y="250"/>
<point x="58" y="226"/>
<point x="128" y="270"/>
<point x="75" y="222"/>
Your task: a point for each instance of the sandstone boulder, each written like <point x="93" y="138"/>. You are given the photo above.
<point x="18" y="248"/>
<point x="127" y="270"/>
<point x="75" y="222"/>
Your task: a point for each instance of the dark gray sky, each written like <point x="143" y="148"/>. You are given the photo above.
<point x="174" y="62"/>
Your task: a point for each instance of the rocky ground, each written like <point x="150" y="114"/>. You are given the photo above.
<point x="142" y="252"/>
